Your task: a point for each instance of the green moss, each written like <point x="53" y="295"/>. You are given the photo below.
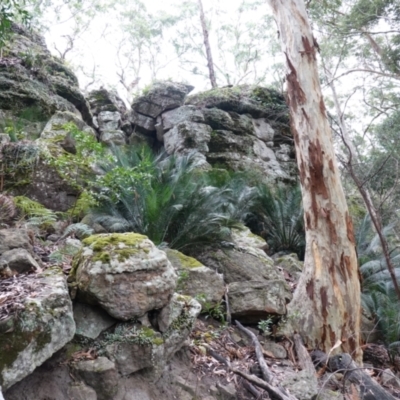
<point x="28" y="327"/>
<point x="100" y="242"/>
<point x="185" y="261"/>
<point x="104" y="257"/>
<point x="158" y="341"/>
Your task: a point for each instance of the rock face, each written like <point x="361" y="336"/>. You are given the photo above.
<point x="35" y="84"/>
<point x="162" y="96"/>
<point x="125" y="274"/>
<point x="239" y="128"/>
<point x="43" y="326"/>
<point x="18" y="260"/>
<point x="256" y="287"/>
<point x="99" y="374"/>
<point x="27" y="172"/>
<point x="196" y="280"/>
<point x="91" y="321"/>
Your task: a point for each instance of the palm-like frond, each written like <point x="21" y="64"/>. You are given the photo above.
<point x="282" y="212"/>
<point x="169" y="200"/>
<point x="379" y="298"/>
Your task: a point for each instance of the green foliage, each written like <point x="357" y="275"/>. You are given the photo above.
<point x="265" y="326"/>
<point x="77" y="169"/>
<point x="11" y="11"/>
<point x="216" y="311"/>
<point x="379" y="299"/>
<point x="35" y="213"/>
<point x="79" y="229"/>
<point x="280" y="221"/>
<point x="64" y="254"/>
<point x="168" y="199"/>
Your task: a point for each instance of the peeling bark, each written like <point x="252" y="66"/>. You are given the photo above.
<point x="326" y="304"/>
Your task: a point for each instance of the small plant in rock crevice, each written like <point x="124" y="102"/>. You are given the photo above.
<point x="265" y="326"/>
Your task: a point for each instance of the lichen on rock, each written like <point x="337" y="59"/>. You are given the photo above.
<point x="126" y="274"/>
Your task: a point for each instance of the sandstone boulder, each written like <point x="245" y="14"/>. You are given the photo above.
<point x="196" y="280"/>
<point x="19" y="261"/>
<point x="252" y="301"/>
<point x="187" y="136"/>
<point x="91" y="321"/>
<point x="43" y="326"/>
<point x="161" y="96"/>
<point x="100" y="374"/>
<point x="126" y="274"/>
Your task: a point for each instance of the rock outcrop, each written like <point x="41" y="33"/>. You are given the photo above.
<point x="196" y="280"/>
<point x="43" y="326"/>
<point x="123" y="273"/>
<point x="34" y="84"/>
<point x="256" y="288"/>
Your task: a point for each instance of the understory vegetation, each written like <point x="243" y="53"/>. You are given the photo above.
<point x="379" y="298"/>
<point x="174" y="202"/>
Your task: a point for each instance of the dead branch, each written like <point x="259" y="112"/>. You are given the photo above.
<point x="367" y="386"/>
<point x="266" y="373"/>
<point x="251" y="389"/>
<point x="276" y="393"/>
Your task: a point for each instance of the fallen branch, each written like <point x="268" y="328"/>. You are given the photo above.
<point x="276" y="393"/>
<point x="366" y="386"/>
<point x="250" y="388"/>
<point x="266" y="373"/>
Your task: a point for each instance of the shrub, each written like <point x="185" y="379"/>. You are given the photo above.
<point x="279" y="216"/>
<point x="169" y="199"/>
<point x="379" y="299"/>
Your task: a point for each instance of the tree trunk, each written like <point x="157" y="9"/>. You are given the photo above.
<point x="210" y="64"/>
<point x="326" y="305"/>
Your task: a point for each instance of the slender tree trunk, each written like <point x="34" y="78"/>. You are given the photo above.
<point x="210" y="63"/>
<point x="372" y="211"/>
<point x="325" y="309"/>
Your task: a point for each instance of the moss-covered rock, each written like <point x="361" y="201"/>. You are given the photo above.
<point x="43" y="326"/>
<point x="123" y="273"/>
<point x="196" y="280"/>
<point x="27" y="171"/>
<point x="31" y="78"/>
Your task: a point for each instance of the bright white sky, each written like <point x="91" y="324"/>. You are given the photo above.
<point x="98" y="45"/>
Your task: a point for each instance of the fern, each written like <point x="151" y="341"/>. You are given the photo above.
<point x="379" y="298"/>
<point x="169" y="199"/>
<point x="34" y="212"/>
<point x="281" y="213"/>
<point x="79" y="230"/>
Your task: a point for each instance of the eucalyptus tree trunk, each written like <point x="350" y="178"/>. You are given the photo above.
<point x="210" y="63"/>
<point x="325" y="309"/>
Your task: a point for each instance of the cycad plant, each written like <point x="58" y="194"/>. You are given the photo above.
<point x="379" y="298"/>
<point x="281" y="212"/>
<point x="169" y="199"/>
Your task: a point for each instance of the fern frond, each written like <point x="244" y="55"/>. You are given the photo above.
<point x="80" y="230"/>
